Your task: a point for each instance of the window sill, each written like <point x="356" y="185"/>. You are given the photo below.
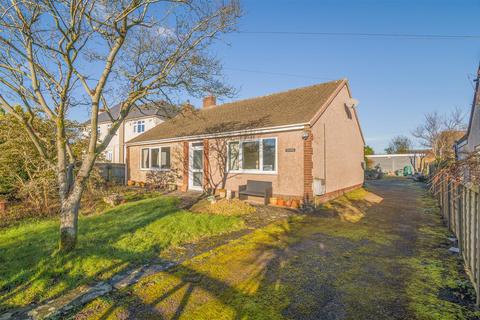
<point x="259" y="172"/>
<point x="155" y="169"/>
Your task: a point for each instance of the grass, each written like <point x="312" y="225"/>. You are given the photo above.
<point x="351" y="206"/>
<point x="225" y="283"/>
<point x="310" y="267"/>
<point x="436" y="286"/>
<point x="31" y="270"/>
<point x="233" y="207"/>
<point x="92" y="203"/>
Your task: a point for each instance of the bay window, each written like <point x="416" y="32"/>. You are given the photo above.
<point x="156" y="158"/>
<point x="258" y="155"/>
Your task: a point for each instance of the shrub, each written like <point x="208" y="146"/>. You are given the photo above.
<point x="39" y="193"/>
<point x="374" y="174"/>
<point x="161" y="179"/>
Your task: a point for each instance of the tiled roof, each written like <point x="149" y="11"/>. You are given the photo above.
<point x="290" y="107"/>
<point x="160" y="109"/>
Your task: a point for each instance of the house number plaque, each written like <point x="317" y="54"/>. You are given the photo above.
<point x="290" y="150"/>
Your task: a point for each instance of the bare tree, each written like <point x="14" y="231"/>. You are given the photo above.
<point x="417" y="160"/>
<point x="439" y="132"/>
<point x="62" y="54"/>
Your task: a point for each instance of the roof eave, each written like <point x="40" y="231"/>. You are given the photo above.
<point x="283" y="128"/>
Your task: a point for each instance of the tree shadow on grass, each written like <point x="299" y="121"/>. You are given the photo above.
<point x="31" y="270"/>
<point x="321" y="274"/>
<point x="286" y="275"/>
<point x="188" y="286"/>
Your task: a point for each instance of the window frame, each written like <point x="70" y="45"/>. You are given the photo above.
<point x="136" y="125"/>
<point x="150" y="168"/>
<point x="109" y="155"/>
<point x="240" y="156"/>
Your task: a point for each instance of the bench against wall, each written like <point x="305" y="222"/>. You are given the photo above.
<point x="256" y="189"/>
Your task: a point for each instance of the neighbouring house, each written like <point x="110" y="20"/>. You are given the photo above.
<point x="415" y="160"/>
<point x="139" y="120"/>
<point x="307" y="142"/>
<point x="470" y="142"/>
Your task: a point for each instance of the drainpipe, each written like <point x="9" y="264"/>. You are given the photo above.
<point x="125" y="163"/>
<point x="325" y="156"/>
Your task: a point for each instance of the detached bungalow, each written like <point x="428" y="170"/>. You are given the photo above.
<point x="307" y="142"/>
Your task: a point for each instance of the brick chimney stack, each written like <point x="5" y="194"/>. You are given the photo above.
<point x="209" y="101"/>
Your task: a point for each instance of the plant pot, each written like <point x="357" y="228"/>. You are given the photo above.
<point x="295" y="204"/>
<point x="280" y="202"/>
<point x="273" y="201"/>
<point x="222" y="193"/>
<point x="288" y="203"/>
<point x="130" y="183"/>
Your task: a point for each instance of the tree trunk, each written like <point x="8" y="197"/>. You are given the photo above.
<point x="69" y="223"/>
<point x="71" y="203"/>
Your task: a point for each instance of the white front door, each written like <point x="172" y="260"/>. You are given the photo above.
<point x="196" y="166"/>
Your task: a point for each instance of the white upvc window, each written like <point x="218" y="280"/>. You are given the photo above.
<point x="109" y="155"/>
<point x="139" y="126"/>
<point x="157" y="158"/>
<point x="253" y="156"/>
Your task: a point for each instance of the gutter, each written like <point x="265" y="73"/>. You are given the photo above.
<point x="393" y="155"/>
<point x="290" y="127"/>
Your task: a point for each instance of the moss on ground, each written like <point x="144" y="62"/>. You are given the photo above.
<point x="438" y="288"/>
<point x="393" y="263"/>
<point x="225" y="207"/>
<point x="129" y="234"/>
<point x="225" y="283"/>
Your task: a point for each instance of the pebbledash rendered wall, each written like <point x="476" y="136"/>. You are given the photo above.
<point x="288" y="181"/>
<point x="338" y="146"/>
<point x="134" y="158"/>
<point x="336" y="155"/>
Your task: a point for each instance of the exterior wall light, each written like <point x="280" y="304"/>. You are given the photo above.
<point x="305" y="134"/>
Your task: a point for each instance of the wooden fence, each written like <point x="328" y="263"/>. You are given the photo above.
<point x="112" y="172"/>
<point x="460" y="208"/>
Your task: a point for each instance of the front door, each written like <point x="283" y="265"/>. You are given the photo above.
<point x="196" y="166"/>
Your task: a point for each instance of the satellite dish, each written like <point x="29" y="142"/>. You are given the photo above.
<point x="351" y="103"/>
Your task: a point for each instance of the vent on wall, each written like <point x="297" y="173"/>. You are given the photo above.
<point x="318" y="186"/>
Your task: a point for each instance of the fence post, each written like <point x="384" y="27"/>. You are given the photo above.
<point x="477" y="249"/>
<point x="459" y="217"/>
<point x="449" y="198"/>
<point x="469" y="229"/>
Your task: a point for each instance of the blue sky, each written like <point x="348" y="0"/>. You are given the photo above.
<point x="396" y="80"/>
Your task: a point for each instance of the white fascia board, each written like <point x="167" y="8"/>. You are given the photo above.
<point x="290" y="127"/>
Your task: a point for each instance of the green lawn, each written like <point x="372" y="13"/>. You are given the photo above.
<point x="357" y="264"/>
<point x="31" y="271"/>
